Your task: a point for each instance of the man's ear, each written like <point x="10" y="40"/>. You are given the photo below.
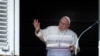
<point x="68" y="25"/>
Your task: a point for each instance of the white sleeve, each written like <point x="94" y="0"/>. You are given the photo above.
<point x="75" y="40"/>
<point x="39" y="35"/>
<point x="76" y="44"/>
<point x="42" y="34"/>
<point x="45" y="32"/>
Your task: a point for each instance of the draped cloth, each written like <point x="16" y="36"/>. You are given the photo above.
<point x="58" y="52"/>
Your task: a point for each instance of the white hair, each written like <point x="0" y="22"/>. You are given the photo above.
<point x="68" y="19"/>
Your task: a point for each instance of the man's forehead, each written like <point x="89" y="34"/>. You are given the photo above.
<point x="66" y="18"/>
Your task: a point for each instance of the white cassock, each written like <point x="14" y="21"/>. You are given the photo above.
<point x="57" y="42"/>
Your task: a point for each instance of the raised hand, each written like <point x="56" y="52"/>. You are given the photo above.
<point x="36" y="24"/>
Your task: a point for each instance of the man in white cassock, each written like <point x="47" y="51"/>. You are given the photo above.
<point x="59" y="40"/>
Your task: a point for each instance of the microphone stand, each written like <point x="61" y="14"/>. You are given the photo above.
<point x="82" y="34"/>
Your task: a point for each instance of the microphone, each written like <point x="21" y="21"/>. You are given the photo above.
<point x="83" y="33"/>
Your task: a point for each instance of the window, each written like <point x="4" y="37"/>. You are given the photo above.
<point x="9" y="27"/>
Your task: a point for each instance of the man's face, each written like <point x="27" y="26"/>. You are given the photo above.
<point x="63" y="24"/>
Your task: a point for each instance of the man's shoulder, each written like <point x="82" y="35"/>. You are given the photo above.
<point x="71" y="31"/>
<point x="52" y="26"/>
